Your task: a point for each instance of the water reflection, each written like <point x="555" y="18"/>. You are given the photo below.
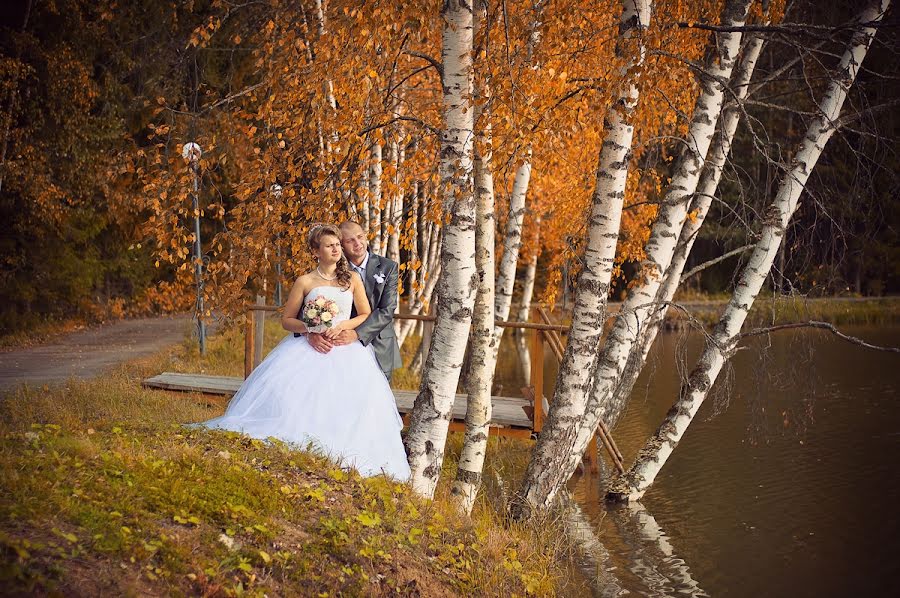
<point x="785" y="485"/>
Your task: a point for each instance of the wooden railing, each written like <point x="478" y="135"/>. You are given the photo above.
<point x="541" y="332"/>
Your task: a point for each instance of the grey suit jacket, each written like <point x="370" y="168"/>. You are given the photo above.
<point x="378" y="330"/>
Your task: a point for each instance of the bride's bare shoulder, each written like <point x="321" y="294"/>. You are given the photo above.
<point x="304" y="281"/>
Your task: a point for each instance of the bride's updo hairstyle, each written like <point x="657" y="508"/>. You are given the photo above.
<point x="316" y="232"/>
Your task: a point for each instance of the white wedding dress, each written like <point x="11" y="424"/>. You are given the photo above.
<point x="340" y="402"/>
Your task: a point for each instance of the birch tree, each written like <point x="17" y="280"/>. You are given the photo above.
<point x="512" y="240"/>
<point x="724" y="340"/>
<point x="482" y="342"/>
<point x="572" y="423"/>
<point x="660" y="249"/>
<point x="542" y="478"/>
<point x="706" y="191"/>
<point x="459" y="280"/>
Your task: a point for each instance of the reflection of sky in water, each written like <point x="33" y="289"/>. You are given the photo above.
<point x="789" y="491"/>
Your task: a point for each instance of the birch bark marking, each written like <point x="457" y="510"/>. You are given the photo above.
<point x="706" y="190"/>
<point x="459" y="280"/>
<point x="544" y="475"/>
<point x="482" y="356"/>
<point x="652" y="457"/>
<point x="660" y="248"/>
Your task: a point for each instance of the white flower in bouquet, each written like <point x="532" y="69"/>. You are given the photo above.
<point x="326" y="316"/>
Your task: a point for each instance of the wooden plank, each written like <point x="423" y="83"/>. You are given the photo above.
<point x="507" y="411"/>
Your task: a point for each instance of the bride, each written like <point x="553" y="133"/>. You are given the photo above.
<point x="339" y="401"/>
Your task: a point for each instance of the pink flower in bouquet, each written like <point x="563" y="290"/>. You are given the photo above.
<point x="319" y="313"/>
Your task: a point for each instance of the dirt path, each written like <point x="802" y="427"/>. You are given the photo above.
<point x="87" y="353"/>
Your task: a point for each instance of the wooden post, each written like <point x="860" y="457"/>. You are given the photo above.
<point x="259" y="323"/>
<point x="537" y="377"/>
<point x="248" y="345"/>
<point x="612" y="443"/>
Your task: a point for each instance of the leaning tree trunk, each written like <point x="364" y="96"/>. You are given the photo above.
<point x="723" y="343"/>
<point x="706" y="190"/>
<point x="512" y="242"/>
<point x="482" y="352"/>
<point x="456" y="290"/>
<point x="635" y="312"/>
<point x="543" y="477"/>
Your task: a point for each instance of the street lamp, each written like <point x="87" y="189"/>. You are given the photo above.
<point x="276" y="192"/>
<point x="191" y="153"/>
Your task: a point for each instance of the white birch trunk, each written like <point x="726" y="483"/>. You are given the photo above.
<point x="544" y="475"/>
<point x="458" y="284"/>
<point x="512" y="243"/>
<point x="393" y="238"/>
<point x="482" y="342"/>
<point x="660" y="248"/>
<point x="706" y="190"/>
<point x="652" y="457"/>
<point x="375" y="171"/>
<point x="637" y="309"/>
<point x="362" y="192"/>
<point x="524" y="312"/>
<point x="413" y="277"/>
<point x="482" y="356"/>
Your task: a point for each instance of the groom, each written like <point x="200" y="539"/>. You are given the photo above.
<point x="379" y="276"/>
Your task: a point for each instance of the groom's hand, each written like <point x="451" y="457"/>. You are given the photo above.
<point x="320" y="343"/>
<point x="345" y="338"/>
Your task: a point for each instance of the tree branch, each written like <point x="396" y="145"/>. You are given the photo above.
<point x="714" y="261"/>
<point x="412" y="119"/>
<point x="430" y="59"/>
<point x="793" y="28"/>
<point x="822" y="326"/>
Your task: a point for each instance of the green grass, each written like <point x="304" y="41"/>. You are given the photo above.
<point x="105" y="492"/>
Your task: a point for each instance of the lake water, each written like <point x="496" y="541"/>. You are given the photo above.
<point x="787" y="483"/>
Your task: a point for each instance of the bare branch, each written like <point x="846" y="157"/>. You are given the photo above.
<point x="430" y="59"/>
<point x="412" y="119"/>
<point x="822" y="326"/>
<point x="714" y="261"/>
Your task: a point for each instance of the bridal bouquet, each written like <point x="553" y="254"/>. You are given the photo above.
<point x="318" y="314"/>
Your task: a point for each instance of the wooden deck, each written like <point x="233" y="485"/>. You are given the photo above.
<point x="510" y="415"/>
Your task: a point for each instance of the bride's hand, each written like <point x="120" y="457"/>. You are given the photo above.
<point x="335" y="330"/>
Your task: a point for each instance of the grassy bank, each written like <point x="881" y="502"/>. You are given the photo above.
<point x="105" y="493"/>
<point x="768" y="310"/>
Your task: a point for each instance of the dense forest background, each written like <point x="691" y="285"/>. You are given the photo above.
<point x="92" y="93"/>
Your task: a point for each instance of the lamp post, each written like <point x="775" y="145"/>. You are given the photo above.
<point x="276" y="191"/>
<point x="191" y="153"/>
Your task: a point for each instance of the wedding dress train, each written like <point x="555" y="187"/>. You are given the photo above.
<point x="340" y="402"/>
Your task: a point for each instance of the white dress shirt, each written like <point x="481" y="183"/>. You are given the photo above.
<point x="361" y="268"/>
